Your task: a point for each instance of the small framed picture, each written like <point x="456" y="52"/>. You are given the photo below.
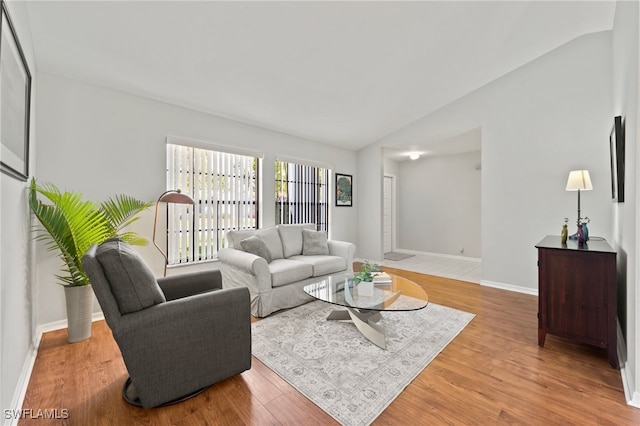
<point x="344" y="190"/>
<point x="616" y="149"/>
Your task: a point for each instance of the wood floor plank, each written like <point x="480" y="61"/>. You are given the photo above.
<point x="493" y="372"/>
<point x="294" y="409"/>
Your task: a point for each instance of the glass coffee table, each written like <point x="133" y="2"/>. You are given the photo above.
<point x="363" y="306"/>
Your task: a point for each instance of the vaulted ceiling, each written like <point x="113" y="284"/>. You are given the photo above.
<point x="342" y="73"/>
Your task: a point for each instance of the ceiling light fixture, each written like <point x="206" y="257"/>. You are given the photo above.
<point x="414" y="156"/>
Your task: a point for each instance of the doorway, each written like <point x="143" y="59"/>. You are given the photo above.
<point x="388" y="217"/>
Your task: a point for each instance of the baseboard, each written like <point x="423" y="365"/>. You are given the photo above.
<point x="631" y="396"/>
<point x="59" y="325"/>
<point x="449" y="256"/>
<point x="21" y="387"/>
<point x="27" y="368"/>
<point x="510" y="287"/>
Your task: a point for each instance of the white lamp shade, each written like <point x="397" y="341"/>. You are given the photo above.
<point x="579" y="180"/>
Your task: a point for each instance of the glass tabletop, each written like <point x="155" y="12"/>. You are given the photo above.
<point x="400" y="294"/>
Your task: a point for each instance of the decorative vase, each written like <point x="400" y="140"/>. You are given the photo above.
<point x="79" y="300"/>
<point x="580" y="235"/>
<point x="365" y="288"/>
<point x="585" y="231"/>
<point x="565" y="233"/>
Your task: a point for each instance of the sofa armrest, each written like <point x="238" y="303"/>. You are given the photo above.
<point x="244" y="261"/>
<point x="248" y="269"/>
<point x="178" y="286"/>
<point x="344" y="249"/>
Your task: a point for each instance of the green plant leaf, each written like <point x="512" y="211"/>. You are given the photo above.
<point x="71" y="225"/>
<point x="123" y="210"/>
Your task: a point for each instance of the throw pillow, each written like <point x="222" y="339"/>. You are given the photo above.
<point x="314" y="242"/>
<point x="132" y="283"/>
<point x="255" y="245"/>
<point x="271" y="238"/>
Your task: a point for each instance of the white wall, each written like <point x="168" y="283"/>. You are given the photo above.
<point x="102" y="142"/>
<point x="368" y="198"/>
<point x="391" y="167"/>
<point x="625" y="230"/>
<point x="439" y="205"/>
<point x="539" y="122"/>
<point x="16" y="271"/>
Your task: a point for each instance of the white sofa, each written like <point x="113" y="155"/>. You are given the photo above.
<point x="285" y="259"/>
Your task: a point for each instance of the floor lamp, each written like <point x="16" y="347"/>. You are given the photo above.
<point x="579" y="180"/>
<point x="171" y="196"/>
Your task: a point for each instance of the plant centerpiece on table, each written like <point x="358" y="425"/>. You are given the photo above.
<point x="365" y="272"/>
<point x="70" y="225"/>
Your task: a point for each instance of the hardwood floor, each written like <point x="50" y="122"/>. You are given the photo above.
<point x="492" y="373"/>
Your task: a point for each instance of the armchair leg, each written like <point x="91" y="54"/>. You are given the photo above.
<point x="130" y="395"/>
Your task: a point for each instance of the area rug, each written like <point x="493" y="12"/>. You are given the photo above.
<point x="338" y="369"/>
<point x="392" y="255"/>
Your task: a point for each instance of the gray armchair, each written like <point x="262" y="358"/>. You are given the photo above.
<point x="177" y="335"/>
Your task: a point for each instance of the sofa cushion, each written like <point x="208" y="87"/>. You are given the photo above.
<point x="271" y="238"/>
<point x="234" y="238"/>
<point x="291" y="236"/>
<point x="257" y="246"/>
<point x="314" y="242"/>
<point x="287" y="271"/>
<point x="323" y="265"/>
<point x="132" y="283"/>
<point x="269" y="235"/>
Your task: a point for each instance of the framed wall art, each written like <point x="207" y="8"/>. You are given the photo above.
<point x="15" y="102"/>
<point x="616" y="149"/>
<point x="344" y="190"/>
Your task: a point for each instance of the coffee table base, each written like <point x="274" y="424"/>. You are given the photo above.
<point x="365" y="321"/>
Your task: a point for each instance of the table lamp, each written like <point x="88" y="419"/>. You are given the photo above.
<point x="579" y="180"/>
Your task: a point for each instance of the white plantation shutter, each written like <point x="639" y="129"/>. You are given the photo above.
<point x="224" y="187"/>
<point x="302" y="193"/>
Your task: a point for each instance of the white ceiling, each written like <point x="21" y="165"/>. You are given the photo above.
<point x="342" y="73"/>
<point x="468" y="141"/>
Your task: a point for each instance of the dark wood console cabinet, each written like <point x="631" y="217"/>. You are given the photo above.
<point x="577" y="292"/>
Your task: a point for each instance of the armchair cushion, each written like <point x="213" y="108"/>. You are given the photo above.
<point x="314" y="243"/>
<point x="132" y="283"/>
<point x="256" y="245"/>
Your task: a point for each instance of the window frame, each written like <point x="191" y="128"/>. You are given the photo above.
<point x="207" y="231"/>
<point x="313" y="189"/>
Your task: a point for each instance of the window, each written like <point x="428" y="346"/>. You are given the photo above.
<point x="224" y="187"/>
<point x="302" y="194"/>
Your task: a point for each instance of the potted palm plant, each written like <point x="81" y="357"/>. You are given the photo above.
<point x="70" y="225"/>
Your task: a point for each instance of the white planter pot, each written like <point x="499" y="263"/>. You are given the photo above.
<point x="365" y="288"/>
<point x="79" y="300"/>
